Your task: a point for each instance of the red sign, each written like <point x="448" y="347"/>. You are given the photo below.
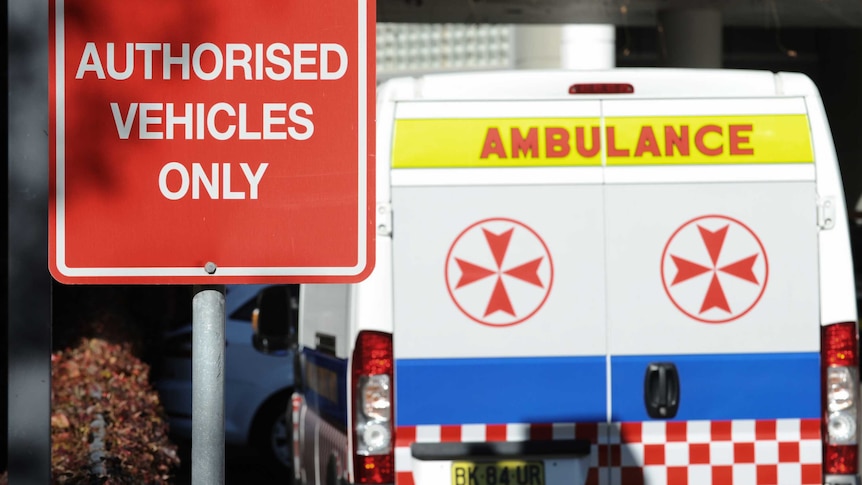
<point x="211" y="141"/>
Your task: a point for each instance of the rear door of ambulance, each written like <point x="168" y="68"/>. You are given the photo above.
<point x="499" y="294"/>
<point x="712" y="293"/>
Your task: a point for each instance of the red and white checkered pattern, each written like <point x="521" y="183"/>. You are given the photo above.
<point x="738" y="452"/>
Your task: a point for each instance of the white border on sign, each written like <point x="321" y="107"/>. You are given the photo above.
<point x="198" y="271"/>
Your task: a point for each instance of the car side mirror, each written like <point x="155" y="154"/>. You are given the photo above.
<point x="274" y="320"/>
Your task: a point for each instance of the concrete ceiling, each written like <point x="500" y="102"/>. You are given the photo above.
<point x="735" y="13"/>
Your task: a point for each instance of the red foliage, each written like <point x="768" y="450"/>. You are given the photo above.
<point x="99" y="379"/>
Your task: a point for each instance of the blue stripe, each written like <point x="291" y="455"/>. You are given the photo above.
<point x="724" y="386"/>
<point x="500" y="390"/>
<point x="331" y="403"/>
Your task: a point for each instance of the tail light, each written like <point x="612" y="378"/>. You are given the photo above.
<point x="372" y="380"/>
<point x="840" y="364"/>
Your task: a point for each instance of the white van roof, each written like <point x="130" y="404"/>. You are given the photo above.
<point x="647" y="83"/>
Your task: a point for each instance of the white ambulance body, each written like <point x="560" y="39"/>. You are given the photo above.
<point x="623" y="277"/>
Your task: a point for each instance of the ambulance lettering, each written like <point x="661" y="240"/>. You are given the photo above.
<point x="557" y="142"/>
<point x="711" y="140"/>
<point x="692" y="140"/>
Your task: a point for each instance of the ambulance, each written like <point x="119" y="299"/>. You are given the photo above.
<point x="626" y="277"/>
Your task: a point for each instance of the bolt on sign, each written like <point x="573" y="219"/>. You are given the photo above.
<point x="211" y="141"/>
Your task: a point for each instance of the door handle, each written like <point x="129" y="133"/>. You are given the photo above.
<point x="661" y="390"/>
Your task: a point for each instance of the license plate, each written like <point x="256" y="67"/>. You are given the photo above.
<point x="498" y="473"/>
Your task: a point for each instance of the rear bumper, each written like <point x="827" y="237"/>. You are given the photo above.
<point x="564" y="461"/>
<point x="501" y="450"/>
<point x="559" y="470"/>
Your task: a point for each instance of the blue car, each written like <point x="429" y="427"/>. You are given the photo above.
<point x="257" y="386"/>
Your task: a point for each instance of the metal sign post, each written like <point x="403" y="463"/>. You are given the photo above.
<point x="208" y="345"/>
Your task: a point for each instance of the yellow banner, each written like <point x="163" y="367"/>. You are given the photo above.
<point x="534" y="142"/>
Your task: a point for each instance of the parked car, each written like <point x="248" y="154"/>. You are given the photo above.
<point x="257" y="386"/>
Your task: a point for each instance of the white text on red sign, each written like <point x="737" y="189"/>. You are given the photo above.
<point x="220" y="121"/>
